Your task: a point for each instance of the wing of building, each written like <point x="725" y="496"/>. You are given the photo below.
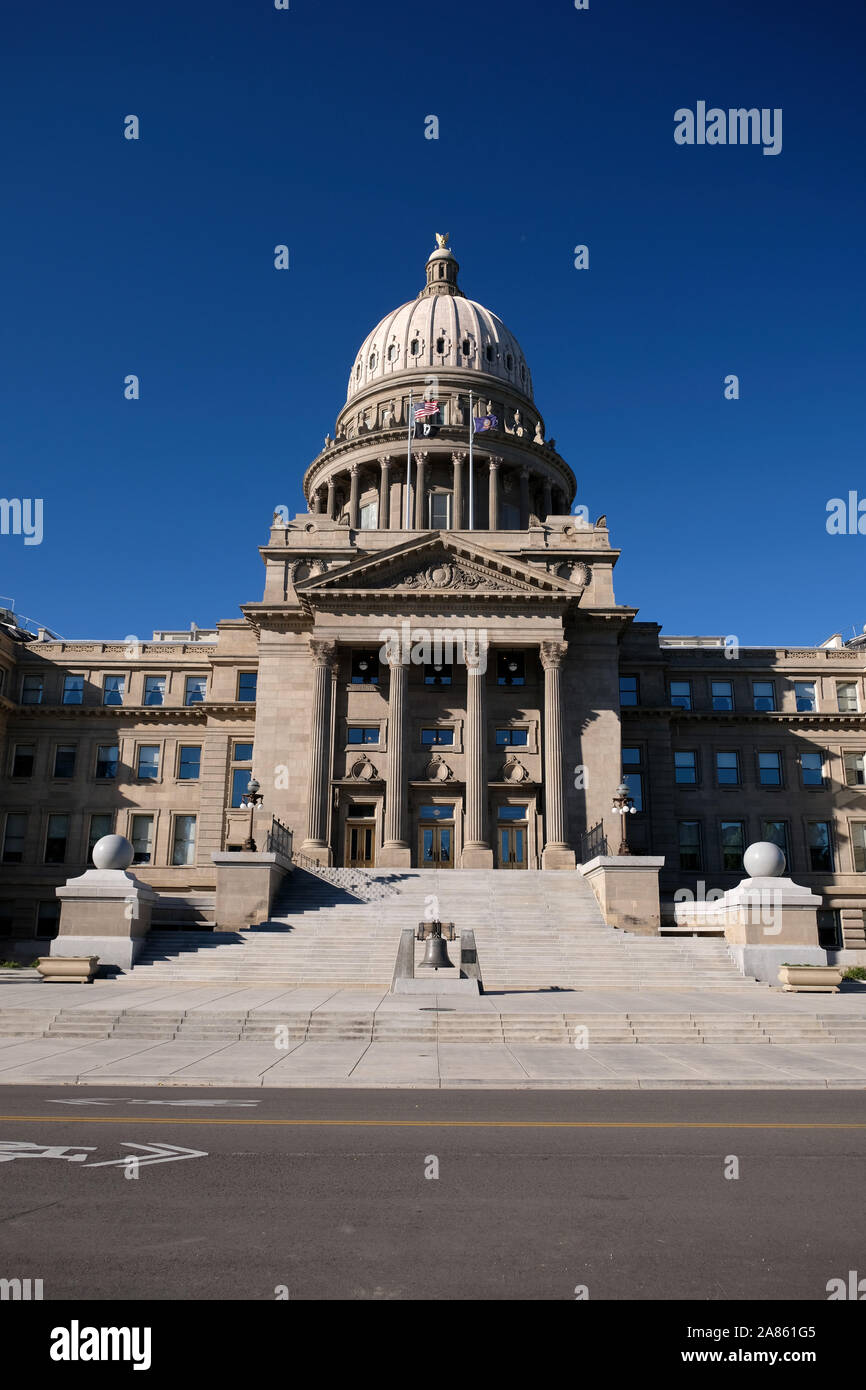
<point x="438" y="674"/>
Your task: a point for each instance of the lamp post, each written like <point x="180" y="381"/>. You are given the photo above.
<point x="252" y="798"/>
<point x="623" y="806"/>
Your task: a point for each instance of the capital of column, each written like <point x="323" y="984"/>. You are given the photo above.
<point x="323" y="653"/>
<point x="552" y="654"/>
<point x="384" y="461"/>
<point x="459" y="456"/>
<point x="493" y="463"/>
<point x="354" y="469"/>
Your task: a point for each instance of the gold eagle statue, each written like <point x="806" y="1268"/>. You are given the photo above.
<point x="442" y="240"/>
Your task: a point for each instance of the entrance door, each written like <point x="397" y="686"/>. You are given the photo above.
<point x="512" y="846"/>
<point x="436" y="847"/>
<point x="360" y="845"/>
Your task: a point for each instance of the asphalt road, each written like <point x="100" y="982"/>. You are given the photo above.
<point x="323" y="1194"/>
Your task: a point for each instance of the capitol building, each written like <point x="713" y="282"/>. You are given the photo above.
<point x="438" y="673"/>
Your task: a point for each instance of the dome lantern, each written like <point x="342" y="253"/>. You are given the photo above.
<point x="442" y="268"/>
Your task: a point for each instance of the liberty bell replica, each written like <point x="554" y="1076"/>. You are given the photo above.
<point x="436" y="955"/>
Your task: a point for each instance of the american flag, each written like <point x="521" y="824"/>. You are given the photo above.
<point x="426" y="409"/>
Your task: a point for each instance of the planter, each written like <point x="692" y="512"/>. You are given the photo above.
<point x="70" y="970"/>
<point x="811" y="979"/>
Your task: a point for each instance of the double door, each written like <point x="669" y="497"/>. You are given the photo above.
<point x="511" y="846"/>
<point x="436" y="847"/>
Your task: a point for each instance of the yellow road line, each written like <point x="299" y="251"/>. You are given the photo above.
<point x="428" y="1123"/>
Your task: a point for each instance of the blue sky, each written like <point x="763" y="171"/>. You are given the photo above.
<point x="306" y="127"/>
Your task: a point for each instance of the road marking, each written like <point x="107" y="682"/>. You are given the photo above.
<point x="79" y="1153"/>
<point x="129" y="1100"/>
<point x="440" y="1124"/>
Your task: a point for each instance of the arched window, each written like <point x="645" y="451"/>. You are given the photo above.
<point x="392" y="352"/>
<point x="440" y="345"/>
<point x="466" y="347"/>
<point x="414" y="347"/>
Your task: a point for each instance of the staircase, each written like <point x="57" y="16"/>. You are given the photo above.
<point x="534" y="930"/>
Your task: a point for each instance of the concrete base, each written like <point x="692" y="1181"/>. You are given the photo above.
<point x="627" y="889"/>
<point x="394" y="856"/>
<point x="759" y="912"/>
<point x="438" y="983"/>
<point x="476" y="857"/>
<point x="105" y="913"/>
<point x="320" y="853"/>
<point x="558" y="857"/>
<point x="246" y="886"/>
<point x="763" y="962"/>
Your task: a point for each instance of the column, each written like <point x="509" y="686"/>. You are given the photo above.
<point x="396" y="851"/>
<point x="524" y="499"/>
<point x="457" y="499"/>
<point x="548" y="498"/>
<point x="323" y="656"/>
<point x="420" y="492"/>
<point x="331" y="499"/>
<point x="557" y="853"/>
<point x="477" y="853"/>
<point x="493" y="495"/>
<point x="385" y="494"/>
<point x="354" y="490"/>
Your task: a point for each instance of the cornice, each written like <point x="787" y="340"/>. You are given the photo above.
<point x="814" y="719"/>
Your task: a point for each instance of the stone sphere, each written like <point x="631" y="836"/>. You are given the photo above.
<point x="113" y="852"/>
<point x="764" y="860"/>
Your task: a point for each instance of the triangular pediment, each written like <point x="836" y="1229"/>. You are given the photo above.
<point x="435" y="563"/>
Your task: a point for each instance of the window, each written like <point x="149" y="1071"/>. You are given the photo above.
<point x="728" y="769"/>
<point x="393" y="352"/>
<point x="101" y="824"/>
<point x="846" y="697"/>
<point x="436" y="812"/>
<point x="510" y="669"/>
<point x="112" y="690"/>
<point x="22" y="759"/>
<point x="763" y="695"/>
<point x="509" y="516"/>
<point x="628" y="690"/>
<point x="685" y="768"/>
<point x="855" y="769"/>
<point x="73" y="690"/>
<point x="681" y="694"/>
<point x="511" y="813"/>
<point x="770" y="769"/>
<point x="247" y="687"/>
<point x="48" y="918"/>
<point x="368" y="733"/>
<point x="148" y="762"/>
<point x="488" y="352"/>
<point x="194" y="691"/>
<point x="776" y="832"/>
<point x="512" y="738"/>
<point x="632" y="775"/>
<point x="55" y="839"/>
<point x="440" y="511"/>
<point x="438" y="736"/>
<point x="154" y="690"/>
<point x="369" y="516"/>
<point x="829" y="929"/>
<point x="141" y="836"/>
<point x="440" y="345"/>
<point x="13" y="837"/>
<point x="820" y="846"/>
<point x="723" y="695"/>
<point x="466" y="348"/>
<point x="240" y="781"/>
<point x="858" y="844"/>
<point x="31" y="690"/>
<point x="415" y="347"/>
<point x="690" y="844"/>
<point x="438" y="673"/>
<point x="362" y="810"/>
<point x="189" y="762"/>
<point x="107" y="755"/>
<point x="183" y="844"/>
<point x="804" y="694"/>
<point x="365" y="668"/>
<point x="733" y="842"/>
<point x="64" y="760"/>
<point x="812" y="769"/>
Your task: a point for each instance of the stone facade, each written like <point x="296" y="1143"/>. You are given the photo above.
<point x="438" y="672"/>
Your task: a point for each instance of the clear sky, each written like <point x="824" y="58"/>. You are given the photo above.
<point x="306" y="127"/>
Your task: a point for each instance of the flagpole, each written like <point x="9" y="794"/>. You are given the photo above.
<point x="471" y="470"/>
<point x="408" y="466"/>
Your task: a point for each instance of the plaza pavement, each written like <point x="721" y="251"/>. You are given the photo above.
<point x="496" y="1057"/>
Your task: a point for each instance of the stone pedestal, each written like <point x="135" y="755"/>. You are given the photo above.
<point x="105" y="913"/>
<point x="627" y="889"/>
<point x="246" y="885"/>
<point x="767" y="921"/>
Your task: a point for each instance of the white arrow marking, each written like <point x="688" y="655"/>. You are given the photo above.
<point x="155" y="1153"/>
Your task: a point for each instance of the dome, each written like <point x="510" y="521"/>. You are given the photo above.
<point x="438" y="331"/>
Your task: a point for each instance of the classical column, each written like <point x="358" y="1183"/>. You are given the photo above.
<point x="323" y="657"/>
<point x="524" y="499"/>
<point x="331" y="503"/>
<point x="420" y="492"/>
<point x="354" y="489"/>
<point x="493" y="495"/>
<point x="477" y="853"/>
<point x="457" y="499"/>
<point x="548" y="497"/>
<point x="396" y="851"/>
<point x="385" y="494"/>
<point x="557" y="853"/>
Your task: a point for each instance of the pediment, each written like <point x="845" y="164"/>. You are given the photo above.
<point x="435" y="563"/>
